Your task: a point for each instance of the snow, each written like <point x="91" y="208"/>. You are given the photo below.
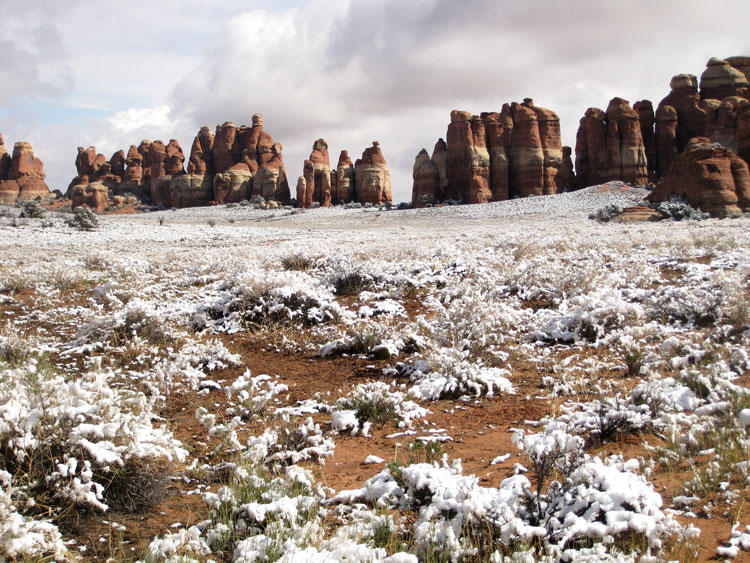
<point x="458" y="303"/>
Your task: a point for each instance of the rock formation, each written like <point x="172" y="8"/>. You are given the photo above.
<point x="174" y="164"/>
<point x="647" y="120"/>
<point x="21" y="175"/>
<point x="372" y="179"/>
<point x="317" y="173"/>
<point x="710" y="177"/>
<point x="467" y="159"/>
<point x="201" y="153"/>
<point x="720" y="79"/>
<point x="426" y="178"/>
<point x="549" y="135"/>
<point x="609" y="146"/>
<point x="94" y="195"/>
<point x="342" y="188"/>
<point x="496" y="156"/>
<point x="270" y="181"/>
<point x="229" y="167"/>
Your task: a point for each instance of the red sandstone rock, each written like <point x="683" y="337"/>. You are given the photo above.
<point x="201" y="153"/>
<point x="426" y="177"/>
<point x="591" y="149"/>
<point x="223" y="149"/>
<point x="497" y="147"/>
<point x="27" y="172"/>
<point x="301" y="191"/>
<point x="175" y="158"/>
<point x="270" y="180"/>
<point x="526" y="153"/>
<point x="723" y="126"/>
<point x="133" y="165"/>
<point x="549" y="135"/>
<point x="145" y="150"/>
<point x="117" y="164"/>
<point x="5" y="159"/>
<point x="233" y="185"/>
<point x="190" y="190"/>
<point x="666" y="139"/>
<point x="628" y="161"/>
<point x="710" y="177"/>
<point x="371" y="177"/>
<point x="720" y="79"/>
<point x="647" y="120"/>
<point x="342" y="181"/>
<point x="743" y="135"/>
<point x="691" y="117"/>
<point x="94" y="196"/>
<point x="317" y="173"/>
<point x="742" y="64"/>
<point x="439" y="157"/>
<point x="467" y="159"/>
<point x="566" y="177"/>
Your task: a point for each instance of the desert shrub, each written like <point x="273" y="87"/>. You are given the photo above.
<point x="83" y="219"/>
<point x="64" y="441"/>
<point x="297" y="261"/>
<point x="32" y="210"/>
<point x="679" y="210"/>
<point x="404" y="205"/>
<point x="378" y="403"/>
<point x="136" y="486"/>
<point x="606" y="214"/>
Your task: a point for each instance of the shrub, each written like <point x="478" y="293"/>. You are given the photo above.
<point x="679" y="210"/>
<point x="606" y="214"/>
<point x="83" y="219"/>
<point x="32" y="210"/>
<point x="298" y="262"/>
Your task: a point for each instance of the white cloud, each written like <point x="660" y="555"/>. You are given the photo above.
<point x="354" y="71"/>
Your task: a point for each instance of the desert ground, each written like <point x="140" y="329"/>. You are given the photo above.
<point x="502" y="382"/>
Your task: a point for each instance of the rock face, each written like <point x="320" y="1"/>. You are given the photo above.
<point x="94" y="195"/>
<point x="426" y="178"/>
<point x="467" y="159"/>
<point x="201" y="160"/>
<point x="21" y="175"/>
<point x="710" y="177"/>
<point x="647" y="120"/>
<point x="371" y="177"/>
<point x="720" y="79"/>
<point x="609" y="146"/>
<point x="342" y="189"/>
<point x="317" y="173"/>
<point x="270" y="180"/>
<point x="495" y="156"/>
<point x="233" y="165"/>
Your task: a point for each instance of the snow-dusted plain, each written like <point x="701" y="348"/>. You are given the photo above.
<point x="634" y="336"/>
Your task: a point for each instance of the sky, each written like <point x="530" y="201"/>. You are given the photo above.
<point x="108" y="74"/>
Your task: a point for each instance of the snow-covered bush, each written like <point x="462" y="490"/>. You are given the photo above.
<point x="73" y="443"/>
<point x="83" y="219"/>
<point x="260" y="516"/>
<point x="378" y="403"/>
<point x="257" y="298"/>
<point x="606" y="214"/>
<point x="288" y="443"/>
<point x="679" y="210"/>
<point x="32" y="210"/>
<point x="450" y="375"/>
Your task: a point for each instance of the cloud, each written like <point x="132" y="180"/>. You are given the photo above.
<point x="352" y="71"/>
